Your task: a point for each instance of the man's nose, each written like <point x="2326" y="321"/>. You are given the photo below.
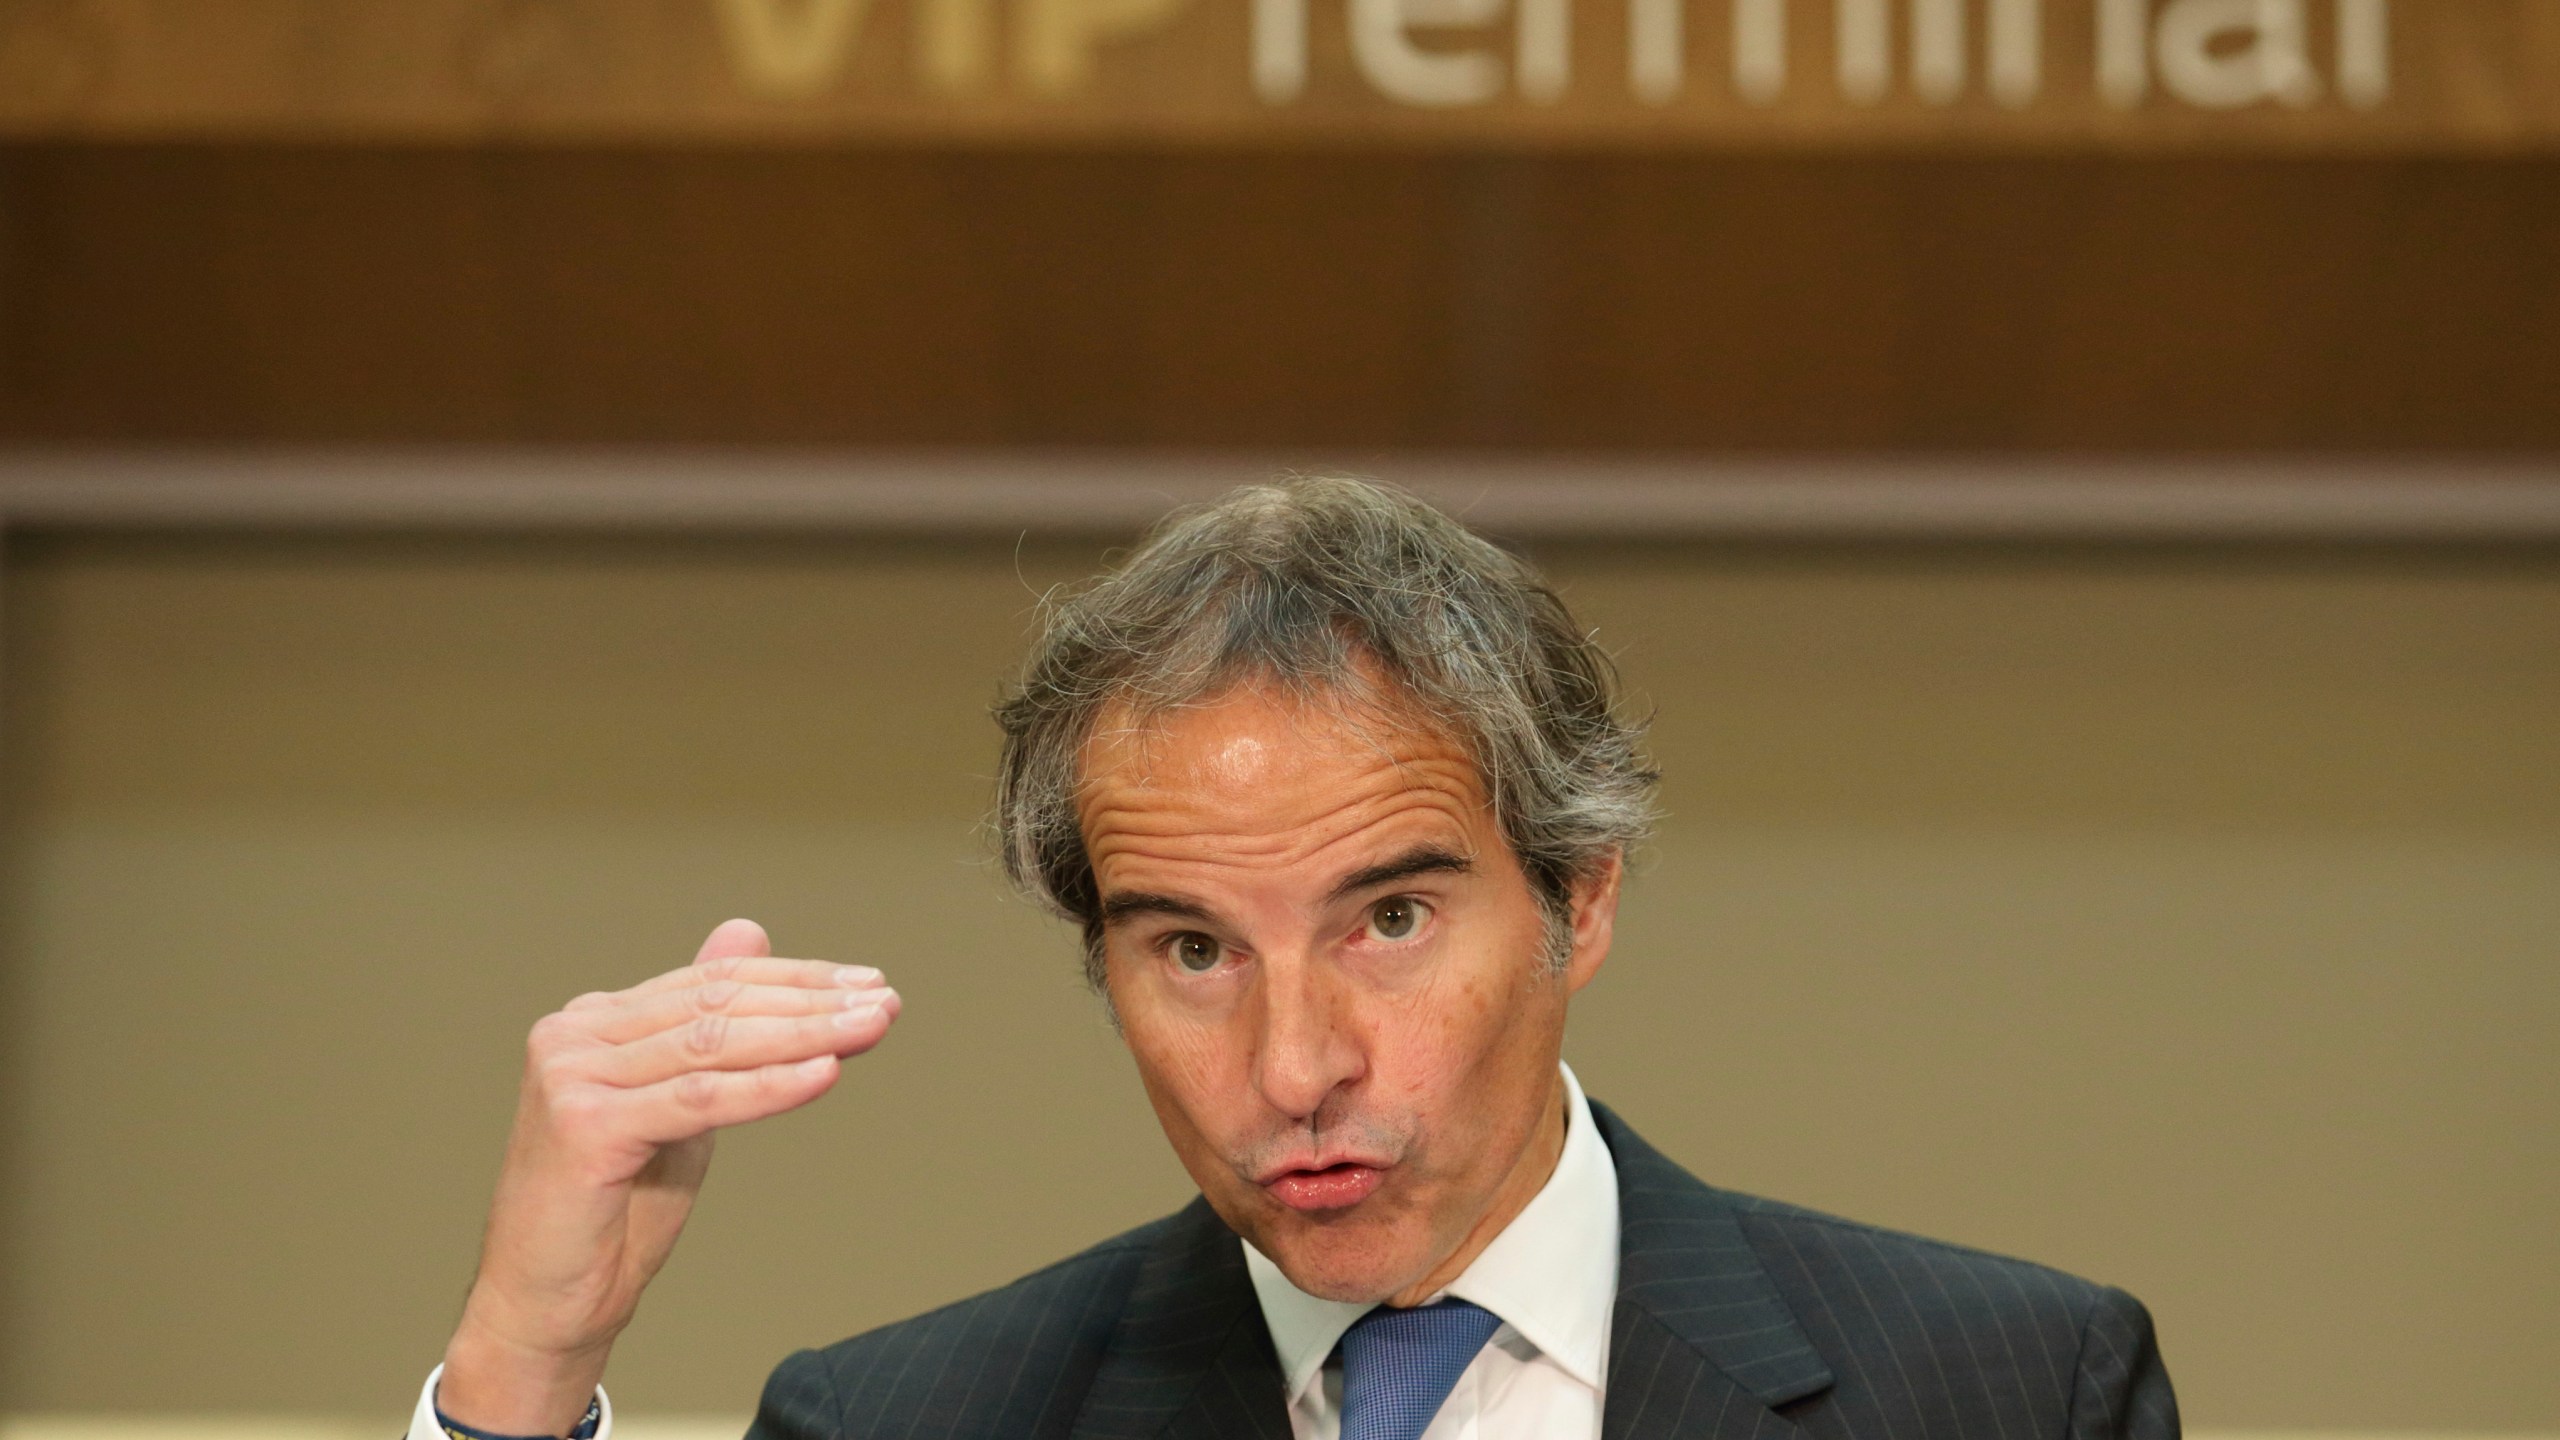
<point x="1308" y="1047"/>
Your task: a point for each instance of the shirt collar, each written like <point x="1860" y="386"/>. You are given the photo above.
<point x="1552" y="1274"/>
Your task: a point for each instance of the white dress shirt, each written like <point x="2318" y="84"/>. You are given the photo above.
<point x="1551" y="1275"/>
<point x="1552" y="1278"/>
<point x="423" y="1425"/>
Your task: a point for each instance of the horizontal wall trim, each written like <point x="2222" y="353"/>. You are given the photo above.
<point x="1096" y="492"/>
<point x="232" y="1427"/>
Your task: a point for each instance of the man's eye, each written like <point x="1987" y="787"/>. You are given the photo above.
<point x="1197" y="953"/>
<point x="1396" y="918"/>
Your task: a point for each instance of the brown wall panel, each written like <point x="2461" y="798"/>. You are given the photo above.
<point x="1304" y="298"/>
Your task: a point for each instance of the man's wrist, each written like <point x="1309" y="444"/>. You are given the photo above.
<point x="582" y="1431"/>
<point x="497" y="1388"/>
<point x="426" y="1422"/>
<point x="585" y="1429"/>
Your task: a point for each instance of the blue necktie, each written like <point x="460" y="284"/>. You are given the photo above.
<point x="1398" y="1365"/>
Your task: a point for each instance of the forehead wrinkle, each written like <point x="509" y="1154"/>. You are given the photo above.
<point x="1185" y="787"/>
<point x="1230" y="794"/>
<point x="1130" y="759"/>
<point x="1290" y="844"/>
<point x="1150" y="839"/>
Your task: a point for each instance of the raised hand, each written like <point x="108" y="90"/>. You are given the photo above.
<point x="613" y="1130"/>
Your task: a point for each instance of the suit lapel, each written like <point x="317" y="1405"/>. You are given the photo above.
<point x="1190" y="1356"/>
<point x="1700" y="1343"/>
<point x="1240" y="1395"/>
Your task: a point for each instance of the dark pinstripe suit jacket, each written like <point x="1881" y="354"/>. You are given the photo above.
<point x="1736" y="1318"/>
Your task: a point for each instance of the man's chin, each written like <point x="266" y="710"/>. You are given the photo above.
<point x="1351" y="1284"/>
<point x="1332" y="1256"/>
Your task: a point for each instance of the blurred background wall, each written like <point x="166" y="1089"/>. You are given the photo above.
<point x="2182" y="919"/>
<point x="2180" y="906"/>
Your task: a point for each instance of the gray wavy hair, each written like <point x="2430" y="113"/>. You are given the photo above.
<point x="1329" y="588"/>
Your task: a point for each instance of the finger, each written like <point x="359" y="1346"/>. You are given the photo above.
<point x="720" y="1042"/>
<point x="745" y="969"/>
<point x="733" y="938"/>
<point x="637" y="1016"/>
<point x="702" y="1101"/>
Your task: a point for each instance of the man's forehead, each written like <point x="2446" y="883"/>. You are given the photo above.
<point x="1254" y="737"/>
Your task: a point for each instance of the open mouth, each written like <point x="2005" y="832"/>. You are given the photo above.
<point x="1335" y="1187"/>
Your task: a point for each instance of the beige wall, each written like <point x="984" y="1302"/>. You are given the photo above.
<point x="2189" y="921"/>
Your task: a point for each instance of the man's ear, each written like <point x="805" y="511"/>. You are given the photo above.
<point x="1595" y="919"/>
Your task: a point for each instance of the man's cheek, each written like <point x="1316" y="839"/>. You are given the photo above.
<point x="1431" y="1053"/>
<point x="1198" y="1148"/>
<point x="1196" y="1069"/>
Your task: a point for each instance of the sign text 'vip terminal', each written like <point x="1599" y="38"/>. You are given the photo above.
<point x="2319" y="74"/>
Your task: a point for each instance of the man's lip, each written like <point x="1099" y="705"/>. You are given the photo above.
<point x="1333" y="1187"/>
<point x="1305" y="1164"/>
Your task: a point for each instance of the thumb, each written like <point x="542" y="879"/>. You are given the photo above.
<point x="734" y="937"/>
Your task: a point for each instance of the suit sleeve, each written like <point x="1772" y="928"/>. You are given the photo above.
<point x="800" y="1403"/>
<point x="2122" y="1389"/>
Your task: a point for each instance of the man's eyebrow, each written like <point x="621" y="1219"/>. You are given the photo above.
<point x="1127" y="904"/>
<point x="1422" y="860"/>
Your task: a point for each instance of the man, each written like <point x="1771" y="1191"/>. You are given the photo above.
<point x="1340" y="797"/>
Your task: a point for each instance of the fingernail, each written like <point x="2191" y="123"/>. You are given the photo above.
<point x="857" y="975"/>
<point x="817" y="1066"/>
<point x="859" y="1015"/>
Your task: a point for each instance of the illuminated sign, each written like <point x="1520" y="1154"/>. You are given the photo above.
<point x="2316" y="74"/>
